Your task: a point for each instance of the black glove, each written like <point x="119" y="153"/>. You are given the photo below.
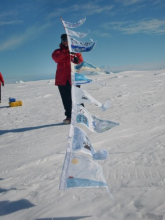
<point x="71" y="53"/>
<point x="75" y="60"/>
<point x="3" y="84"/>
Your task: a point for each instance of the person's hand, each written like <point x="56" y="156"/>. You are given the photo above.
<point x="71" y="53"/>
<point x="75" y="60"/>
<point x="2" y="84"/>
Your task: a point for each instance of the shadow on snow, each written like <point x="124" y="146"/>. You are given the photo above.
<point x="65" y="218"/>
<point x="6" y="190"/>
<point x="7" y="207"/>
<point x="28" y="128"/>
<point x="4" y="107"/>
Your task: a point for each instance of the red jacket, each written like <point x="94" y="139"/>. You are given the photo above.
<point x="62" y="57"/>
<point x="1" y="79"/>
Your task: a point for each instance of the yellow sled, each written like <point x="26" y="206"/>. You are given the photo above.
<point x="15" y="104"/>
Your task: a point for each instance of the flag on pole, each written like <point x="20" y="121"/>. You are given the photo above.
<point x="83" y="144"/>
<point x="81" y="43"/>
<point x="81" y="96"/>
<point x="79" y="168"/>
<point x="85" y="66"/>
<point x="80" y="49"/>
<point x="73" y="25"/>
<point x="91" y="122"/>
<point x="82" y="171"/>
<point x="76" y="34"/>
<point x="79" y="79"/>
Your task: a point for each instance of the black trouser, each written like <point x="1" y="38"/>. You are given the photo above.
<point x="66" y="96"/>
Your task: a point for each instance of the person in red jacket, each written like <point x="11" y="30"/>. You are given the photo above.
<point x="1" y="81"/>
<point x="63" y="58"/>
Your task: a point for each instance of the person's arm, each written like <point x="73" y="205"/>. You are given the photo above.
<point x="77" y="58"/>
<point x="1" y="79"/>
<point x="58" y="55"/>
<point x="79" y="55"/>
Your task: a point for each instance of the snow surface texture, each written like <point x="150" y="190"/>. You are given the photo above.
<point x="33" y="142"/>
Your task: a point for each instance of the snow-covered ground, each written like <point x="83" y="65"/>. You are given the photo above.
<point x="33" y="142"/>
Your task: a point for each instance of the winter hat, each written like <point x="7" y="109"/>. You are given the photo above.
<point x="64" y="37"/>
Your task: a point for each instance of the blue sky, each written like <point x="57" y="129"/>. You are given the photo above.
<point x="128" y="32"/>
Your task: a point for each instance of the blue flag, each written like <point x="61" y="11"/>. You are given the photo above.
<point x="80" y="79"/>
<point x="85" y="66"/>
<point x="79" y="49"/>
